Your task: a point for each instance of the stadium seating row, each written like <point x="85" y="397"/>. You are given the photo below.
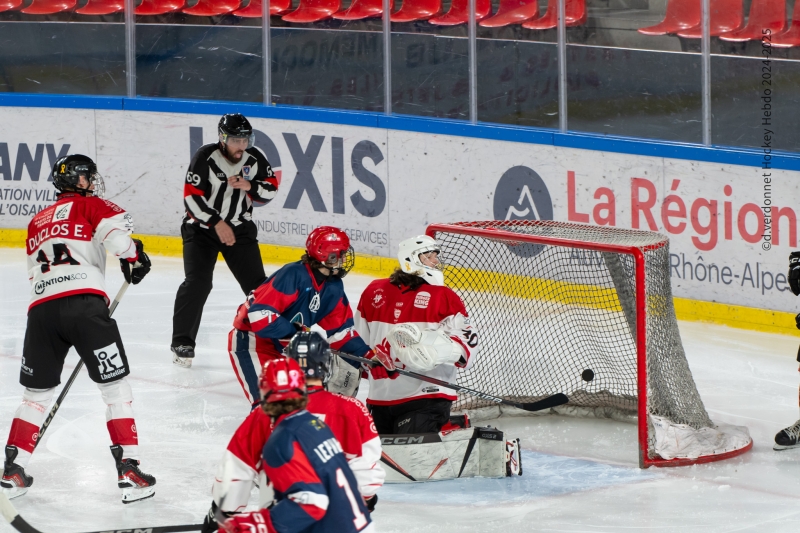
<point x="682" y="17"/>
<point x="525" y="12"/>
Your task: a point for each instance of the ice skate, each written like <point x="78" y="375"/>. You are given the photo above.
<point x="15" y="481"/>
<point x="135" y="484"/>
<point x="788" y="437"/>
<point x="513" y="458"/>
<point x="183" y="355"/>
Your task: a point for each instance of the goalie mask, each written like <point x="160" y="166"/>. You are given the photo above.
<point x="331" y="247"/>
<point x="419" y="256"/>
<point x="67" y="173"/>
<point x="282" y="379"/>
<point x="312" y="353"/>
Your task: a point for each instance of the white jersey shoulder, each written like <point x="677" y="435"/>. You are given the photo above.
<point x="67" y="245"/>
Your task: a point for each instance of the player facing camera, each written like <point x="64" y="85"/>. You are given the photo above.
<point x="78" y="173"/>
<point x="235" y="136"/>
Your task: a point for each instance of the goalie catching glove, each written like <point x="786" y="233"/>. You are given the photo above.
<point x="134" y="273"/>
<point x="421" y="350"/>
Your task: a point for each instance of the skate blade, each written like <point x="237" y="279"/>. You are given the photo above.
<point x="780" y="447"/>
<point x="185" y="362"/>
<point x="14" y="492"/>
<point x="137" y="494"/>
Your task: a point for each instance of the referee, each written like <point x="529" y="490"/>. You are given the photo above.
<point x="223" y="182"/>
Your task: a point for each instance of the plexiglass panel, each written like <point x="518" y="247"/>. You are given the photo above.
<point x="633" y="70"/>
<point x="430" y="63"/>
<point x="191" y="52"/>
<point x="61" y="47"/>
<point x="329" y="63"/>
<point x="755" y="75"/>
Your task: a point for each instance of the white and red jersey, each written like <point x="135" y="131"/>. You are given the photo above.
<point x="67" y="245"/>
<point x="350" y="422"/>
<point x="430" y="307"/>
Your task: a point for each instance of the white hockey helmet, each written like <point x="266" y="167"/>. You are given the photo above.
<point x="408" y="255"/>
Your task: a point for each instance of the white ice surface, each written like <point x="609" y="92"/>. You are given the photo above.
<point x="579" y="475"/>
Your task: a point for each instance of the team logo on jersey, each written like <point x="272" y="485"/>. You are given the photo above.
<point x="109" y="362"/>
<point x="378" y="299"/>
<point x="62" y="212"/>
<point x="422" y="300"/>
<point x="397" y="314"/>
<point x="314" y="305"/>
<point x="246" y="172"/>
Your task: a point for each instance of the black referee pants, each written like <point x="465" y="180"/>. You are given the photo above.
<point x="200" y="249"/>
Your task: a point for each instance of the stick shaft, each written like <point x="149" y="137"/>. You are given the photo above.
<point x="551" y="401"/>
<point x="75" y="372"/>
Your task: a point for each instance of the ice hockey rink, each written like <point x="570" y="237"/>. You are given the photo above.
<point x="579" y="475"/>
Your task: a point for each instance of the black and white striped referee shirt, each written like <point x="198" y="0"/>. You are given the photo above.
<point x="206" y="194"/>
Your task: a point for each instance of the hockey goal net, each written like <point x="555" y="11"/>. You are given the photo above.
<point x="587" y="311"/>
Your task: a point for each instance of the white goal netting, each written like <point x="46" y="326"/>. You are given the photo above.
<point x="556" y="307"/>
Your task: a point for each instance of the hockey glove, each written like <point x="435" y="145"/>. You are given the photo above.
<point x="210" y="524"/>
<point x="136" y="272"/>
<point x="371" y="502"/>
<point x="382" y="371"/>
<point x="797" y="322"/>
<point x="794" y="272"/>
<point x="248" y="523"/>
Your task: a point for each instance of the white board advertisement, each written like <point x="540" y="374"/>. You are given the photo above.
<point x="731" y="227"/>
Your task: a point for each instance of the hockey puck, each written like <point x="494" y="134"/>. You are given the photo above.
<point x="588" y="375"/>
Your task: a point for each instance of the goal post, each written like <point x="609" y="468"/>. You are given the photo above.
<point x="586" y="311"/>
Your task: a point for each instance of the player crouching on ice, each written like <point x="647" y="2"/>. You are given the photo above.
<point x="346" y="417"/>
<point x="315" y="489"/>
<point x="66" y="247"/>
<point x="295" y="297"/>
<point x="414" y="321"/>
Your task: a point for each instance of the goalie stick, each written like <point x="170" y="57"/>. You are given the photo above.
<point x="75" y="372"/>
<point x="19" y="523"/>
<point x="551" y="401"/>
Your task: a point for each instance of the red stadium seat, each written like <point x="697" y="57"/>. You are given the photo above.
<point x="102" y="7"/>
<point x="313" y="11"/>
<point x="158" y="7"/>
<point x="212" y="8"/>
<point x="512" y="12"/>
<point x="48" y="7"/>
<point x="254" y="8"/>
<point x="6" y="5"/>
<point x="575" y="15"/>
<point x="412" y="10"/>
<point x="459" y="13"/>
<point x="763" y="14"/>
<point x="681" y="15"/>
<point x="726" y="15"/>
<point x="791" y="37"/>
<point x="361" y="9"/>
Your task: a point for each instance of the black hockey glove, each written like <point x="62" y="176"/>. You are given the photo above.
<point x="136" y="272"/>
<point x="210" y="524"/>
<point x="797" y="323"/>
<point x="371" y="502"/>
<point x="794" y="272"/>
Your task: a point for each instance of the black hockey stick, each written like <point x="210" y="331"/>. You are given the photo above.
<point x="551" y="401"/>
<point x="75" y="372"/>
<point x="19" y="523"/>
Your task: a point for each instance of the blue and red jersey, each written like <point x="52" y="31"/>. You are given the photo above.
<point x="315" y="490"/>
<point x="293" y="295"/>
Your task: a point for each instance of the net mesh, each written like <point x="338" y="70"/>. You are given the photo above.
<point x="562" y="319"/>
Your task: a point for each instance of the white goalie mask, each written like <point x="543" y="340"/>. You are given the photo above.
<point x="408" y="255"/>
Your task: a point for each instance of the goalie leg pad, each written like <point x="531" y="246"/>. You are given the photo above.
<point x="344" y="378"/>
<point x="475" y="452"/>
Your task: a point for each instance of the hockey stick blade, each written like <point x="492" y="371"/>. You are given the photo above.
<point x="546" y="403"/>
<point x="19" y="523"/>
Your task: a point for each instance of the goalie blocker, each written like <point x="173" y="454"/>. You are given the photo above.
<point x="462" y="453"/>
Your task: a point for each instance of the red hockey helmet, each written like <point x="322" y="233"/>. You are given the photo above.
<point x="331" y="246"/>
<point x="282" y="379"/>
